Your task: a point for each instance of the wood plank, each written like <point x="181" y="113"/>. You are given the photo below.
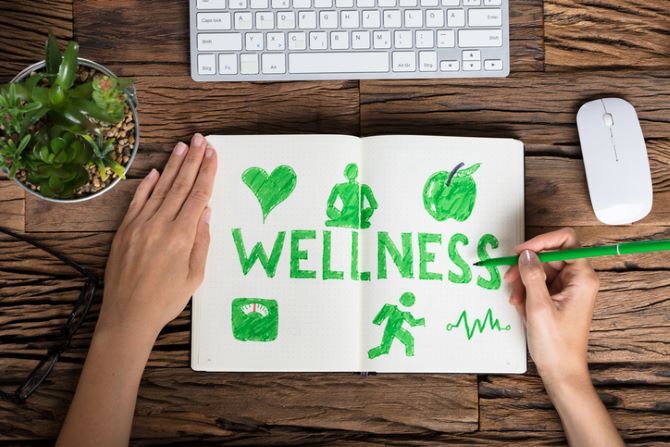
<point x="175" y="107"/>
<point x="152" y="37"/>
<point x="12" y="205"/>
<point x="539" y="109"/>
<point x="24" y="27"/>
<point x="176" y="402"/>
<point x="520" y="403"/>
<point x="616" y="33"/>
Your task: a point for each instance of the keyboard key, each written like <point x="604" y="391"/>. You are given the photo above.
<point x="479" y="38"/>
<point x="365" y="3"/>
<point x="455" y="18"/>
<point x="349" y="19"/>
<point x="449" y="66"/>
<point x="317" y="40"/>
<point x="340" y="62"/>
<point x="446" y="39"/>
<point x="265" y="20"/>
<point x="339" y="40"/>
<point x="410" y="3"/>
<point x="472" y="55"/>
<point x="297" y="41"/>
<point x="328" y="19"/>
<point x="242" y="20"/>
<point x="323" y="3"/>
<point x="435" y="18"/>
<point x="471" y="2"/>
<point x="404" y="61"/>
<point x="472" y="65"/>
<point x="427" y="61"/>
<point x="238" y="4"/>
<point x="211" y="4"/>
<point x="213" y="21"/>
<point x="413" y="18"/>
<point x="220" y="42"/>
<point x="206" y="64"/>
<point x="386" y="3"/>
<point x="485" y="17"/>
<point x="429" y="2"/>
<point x="371" y="19"/>
<point x="275" y="41"/>
<point x="381" y="39"/>
<point x="228" y="64"/>
<point x="403" y="39"/>
<point x="258" y="4"/>
<point x="492" y="2"/>
<point x="424" y="39"/>
<point x="253" y="41"/>
<point x="451" y="2"/>
<point x="249" y="63"/>
<point x="286" y="20"/>
<point x="493" y="65"/>
<point x="274" y="63"/>
<point x="360" y="40"/>
<point x="302" y="3"/>
<point x="344" y="3"/>
<point x="307" y="20"/>
<point x="280" y="4"/>
<point x="392" y="19"/>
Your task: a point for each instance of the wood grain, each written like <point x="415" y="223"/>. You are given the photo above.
<point x="24" y="26"/>
<point x="520" y="403"/>
<point x="159" y="43"/>
<point x="175" y="402"/>
<point x="12" y="205"/>
<point x="539" y="109"/>
<point x="607" y="34"/>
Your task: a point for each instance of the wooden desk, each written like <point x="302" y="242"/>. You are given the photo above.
<point x="564" y="52"/>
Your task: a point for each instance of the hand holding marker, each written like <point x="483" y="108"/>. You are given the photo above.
<point x="621" y="248"/>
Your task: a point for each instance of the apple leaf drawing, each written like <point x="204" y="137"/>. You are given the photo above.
<point x="451" y="194"/>
<point x="270" y="190"/>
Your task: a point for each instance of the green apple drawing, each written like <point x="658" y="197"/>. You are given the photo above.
<point x="451" y="194"/>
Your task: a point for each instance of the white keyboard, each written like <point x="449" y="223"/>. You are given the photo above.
<point x="270" y="40"/>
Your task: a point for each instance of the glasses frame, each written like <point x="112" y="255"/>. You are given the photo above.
<point x="81" y="307"/>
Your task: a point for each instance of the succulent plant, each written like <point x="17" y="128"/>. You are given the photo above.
<point x="51" y="125"/>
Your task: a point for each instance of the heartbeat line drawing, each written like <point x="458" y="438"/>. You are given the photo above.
<point x="477" y="324"/>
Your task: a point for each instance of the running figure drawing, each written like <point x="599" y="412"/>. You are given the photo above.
<point x="395" y="318"/>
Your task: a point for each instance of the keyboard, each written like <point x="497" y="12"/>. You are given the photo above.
<point x="284" y="40"/>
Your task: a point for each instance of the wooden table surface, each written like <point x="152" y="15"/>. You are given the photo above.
<point x="564" y="52"/>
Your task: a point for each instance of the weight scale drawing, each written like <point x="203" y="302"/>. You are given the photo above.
<point x="255" y="319"/>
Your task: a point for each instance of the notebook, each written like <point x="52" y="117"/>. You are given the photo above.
<point x="337" y="253"/>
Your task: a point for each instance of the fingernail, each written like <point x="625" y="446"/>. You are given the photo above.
<point x="198" y="140"/>
<point x="527" y="257"/>
<point x="209" y="152"/>
<point x="208" y="215"/>
<point x="180" y="148"/>
<point x="152" y="174"/>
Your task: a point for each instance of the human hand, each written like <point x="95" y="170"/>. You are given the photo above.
<point x="158" y="255"/>
<point x="556" y="301"/>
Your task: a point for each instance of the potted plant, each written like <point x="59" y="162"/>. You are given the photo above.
<point x="68" y="127"/>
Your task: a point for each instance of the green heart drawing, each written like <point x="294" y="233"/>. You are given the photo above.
<point x="270" y="190"/>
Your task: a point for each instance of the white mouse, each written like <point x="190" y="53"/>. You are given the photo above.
<point x="616" y="161"/>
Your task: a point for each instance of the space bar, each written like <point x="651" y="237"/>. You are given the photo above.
<point x="338" y="62"/>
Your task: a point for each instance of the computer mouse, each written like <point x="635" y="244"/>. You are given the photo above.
<point x="615" y="160"/>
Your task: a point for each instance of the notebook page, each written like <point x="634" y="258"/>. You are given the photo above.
<point x="431" y="320"/>
<point x="287" y="321"/>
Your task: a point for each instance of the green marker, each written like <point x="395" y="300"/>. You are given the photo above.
<point x="622" y="248"/>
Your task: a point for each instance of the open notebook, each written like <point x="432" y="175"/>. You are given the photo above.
<point x="337" y="253"/>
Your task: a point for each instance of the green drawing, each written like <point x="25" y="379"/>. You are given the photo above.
<point x="404" y="262"/>
<point x="394" y="329"/>
<point x="298" y="254"/>
<point x="354" y="213"/>
<point x="258" y="253"/>
<point x="270" y="190"/>
<point x="255" y="319"/>
<point x="451" y="195"/>
<point x="477" y="325"/>
<point x="328" y="273"/>
<point x="426" y="257"/>
<point x="355" y="274"/>
<point x="466" y="274"/>
<point x="494" y="282"/>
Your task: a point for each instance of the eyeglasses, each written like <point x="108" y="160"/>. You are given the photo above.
<point x="72" y="324"/>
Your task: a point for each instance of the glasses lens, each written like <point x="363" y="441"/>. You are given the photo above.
<point x="38" y="293"/>
<point x="38" y="375"/>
